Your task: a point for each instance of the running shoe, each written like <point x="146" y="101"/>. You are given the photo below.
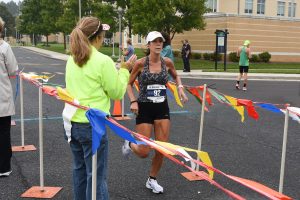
<point x="244" y="89"/>
<point x="237" y="86"/>
<point x="154" y="186"/>
<point x="126" y="150"/>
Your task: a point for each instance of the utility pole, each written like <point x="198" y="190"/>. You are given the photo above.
<point x="120" y="10"/>
<point x="79" y="1"/>
<point x="5" y="29"/>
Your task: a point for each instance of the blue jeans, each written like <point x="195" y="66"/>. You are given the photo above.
<point x="81" y="146"/>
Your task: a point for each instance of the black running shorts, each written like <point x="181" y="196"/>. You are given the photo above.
<point x="244" y="69"/>
<point x="148" y="112"/>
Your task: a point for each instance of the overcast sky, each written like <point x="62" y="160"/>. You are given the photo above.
<point x="9" y="1"/>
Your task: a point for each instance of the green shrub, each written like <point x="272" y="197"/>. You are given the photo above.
<point x="233" y="57"/>
<point x="206" y="56"/>
<point x="196" y="56"/>
<point x="254" y="58"/>
<point x="265" y="56"/>
<point x="215" y="57"/>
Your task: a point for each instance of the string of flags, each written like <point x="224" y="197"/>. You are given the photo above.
<point x="99" y="120"/>
<point x="240" y="105"/>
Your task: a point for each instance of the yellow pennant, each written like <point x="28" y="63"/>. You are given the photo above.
<point x="202" y="155"/>
<point x="173" y="89"/>
<point x="240" y="109"/>
<point x="136" y="85"/>
<point x="64" y="95"/>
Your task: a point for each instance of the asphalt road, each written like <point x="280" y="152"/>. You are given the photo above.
<point x="250" y="150"/>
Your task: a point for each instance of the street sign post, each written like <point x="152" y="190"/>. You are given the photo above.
<point x="221" y="46"/>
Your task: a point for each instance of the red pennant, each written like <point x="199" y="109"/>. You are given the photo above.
<point x="49" y="90"/>
<point x="250" y="108"/>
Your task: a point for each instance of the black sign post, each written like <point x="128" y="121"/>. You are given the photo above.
<point x="221" y="46"/>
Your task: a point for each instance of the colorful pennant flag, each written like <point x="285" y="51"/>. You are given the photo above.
<point x="269" y="107"/>
<point x="204" y="157"/>
<point x="239" y="109"/>
<point x="173" y="89"/>
<point x="218" y="96"/>
<point x="64" y="95"/>
<point x="250" y="108"/>
<point x="98" y="121"/>
<point x="136" y="85"/>
<point x="49" y="90"/>
<point x="195" y="93"/>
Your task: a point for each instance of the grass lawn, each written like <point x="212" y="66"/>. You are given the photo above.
<point x="204" y="65"/>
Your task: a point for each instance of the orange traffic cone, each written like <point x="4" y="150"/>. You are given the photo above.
<point x="117" y="111"/>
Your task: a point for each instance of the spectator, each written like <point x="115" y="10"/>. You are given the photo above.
<point x="186" y="54"/>
<point x="8" y="67"/>
<point x="92" y="78"/>
<point x="167" y="48"/>
<point x="129" y="51"/>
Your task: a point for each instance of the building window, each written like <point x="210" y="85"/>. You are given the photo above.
<point x="211" y="5"/>
<point x="261" y="7"/>
<point x="280" y="8"/>
<point x="249" y="6"/>
<point x="292" y="9"/>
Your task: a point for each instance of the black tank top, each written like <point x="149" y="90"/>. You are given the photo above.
<point x="147" y="78"/>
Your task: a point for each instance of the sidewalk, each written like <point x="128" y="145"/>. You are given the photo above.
<point x="198" y="74"/>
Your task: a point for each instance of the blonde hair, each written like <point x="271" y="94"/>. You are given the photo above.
<point x="1" y="25"/>
<point x="86" y="31"/>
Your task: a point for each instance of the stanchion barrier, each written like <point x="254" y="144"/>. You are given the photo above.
<point x="271" y="194"/>
<point x="41" y="191"/>
<point x="190" y="175"/>
<point x="265" y="191"/>
<point x="285" y="132"/>
<point x="23" y="147"/>
<point x="94" y="176"/>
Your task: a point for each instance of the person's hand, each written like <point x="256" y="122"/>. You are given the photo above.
<point x="134" y="108"/>
<point x="182" y="95"/>
<point x="129" y="63"/>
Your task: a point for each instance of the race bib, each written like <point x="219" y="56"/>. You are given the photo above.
<point x="156" y="93"/>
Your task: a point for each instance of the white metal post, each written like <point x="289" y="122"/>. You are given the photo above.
<point x="113" y="53"/>
<point x="41" y="138"/>
<point x="285" y="132"/>
<point x="201" y="123"/>
<point x="94" y="176"/>
<point x="22" y="110"/>
<point x="123" y="107"/>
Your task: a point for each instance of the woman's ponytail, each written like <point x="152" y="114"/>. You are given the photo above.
<point x="79" y="46"/>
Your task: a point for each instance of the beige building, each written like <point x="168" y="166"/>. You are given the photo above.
<point x="270" y="25"/>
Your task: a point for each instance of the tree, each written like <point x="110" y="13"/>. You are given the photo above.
<point x="50" y="12"/>
<point x="107" y="14"/>
<point x="170" y="16"/>
<point x="8" y="19"/>
<point x="12" y="7"/>
<point x="31" y="18"/>
<point x="67" y="20"/>
<point x="125" y="5"/>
